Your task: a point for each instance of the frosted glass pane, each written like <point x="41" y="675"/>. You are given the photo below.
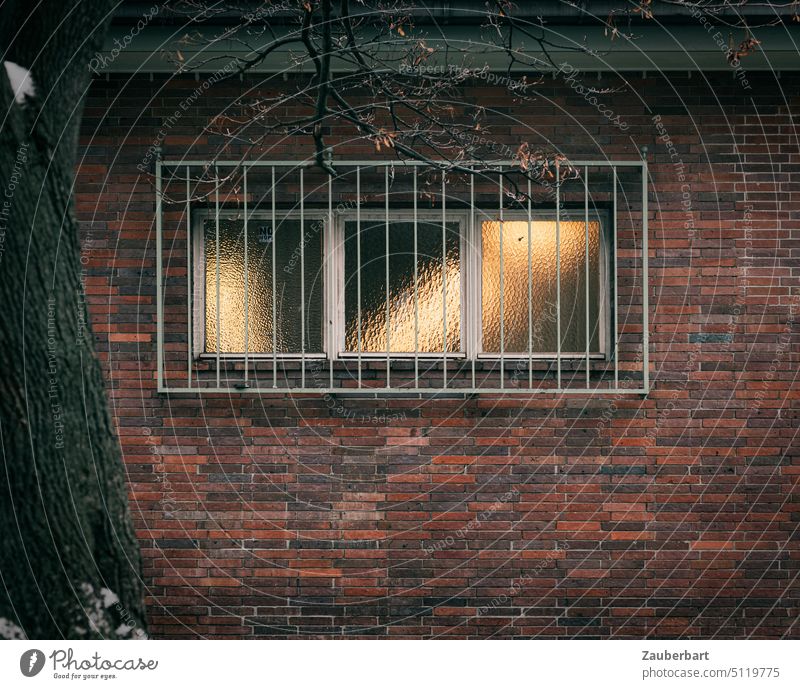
<point x="260" y="297"/>
<point x="401" y="287"/>
<point x="539" y="320"/>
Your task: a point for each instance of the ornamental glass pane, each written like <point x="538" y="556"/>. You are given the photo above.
<point x="530" y="325"/>
<point x="416" y="319"/>
<point x="288" y="309"/>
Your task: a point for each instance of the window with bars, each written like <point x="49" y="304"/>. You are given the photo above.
<point x="403" y="287"/>
<point x="378" y="281"/>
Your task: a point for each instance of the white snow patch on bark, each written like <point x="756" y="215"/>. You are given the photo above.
<point x="109" y="597"/>
<point x="95" y="611"/>
<point x="21" y="81"/>
<point x="9" y="630"/>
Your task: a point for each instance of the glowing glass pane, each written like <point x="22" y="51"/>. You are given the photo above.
<point x="260" y="297"/>
<point x="402" y="303"/>
<point x="537" y="321"/>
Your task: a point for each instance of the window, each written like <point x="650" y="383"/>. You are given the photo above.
<point x="362" y="288"/>
<point x="421" y="299"/>
<point x="400" y="277"/>
<point x="526" y="319"/>
<point x="284" y="273"/>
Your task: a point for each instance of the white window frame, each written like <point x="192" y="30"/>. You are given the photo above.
<point x="333" y="310"/>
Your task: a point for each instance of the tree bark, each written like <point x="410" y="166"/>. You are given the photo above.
<point x="69" y="559"/>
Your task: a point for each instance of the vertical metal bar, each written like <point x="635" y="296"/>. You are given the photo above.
<point x="616" y="286"/>
<point x="416" y="289"/>
<point x="444" y="283"/>
<point x="502" y="290"/>
<point x="586" y="263"/>
<point x="246" y="280"/>
<point x="645" y="283"/>
<point x="331" y="288"/>
<point x="358" y="264"/>
<point x="530" y="293"/>
<point x="274" y="290"/>
<point x="302" y="283"/>
<point x="159" y="286"/>
<point x="189" y="294"/>
<point x="558" y="276"/>
<point x="473" y="241"/>
<point x="386" y="218"/>
<point x="216" y="247"/>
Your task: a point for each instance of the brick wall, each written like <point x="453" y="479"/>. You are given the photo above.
<point x="669" y="515"/>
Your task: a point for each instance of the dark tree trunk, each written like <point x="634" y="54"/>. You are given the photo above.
<point x="69" y="560"/>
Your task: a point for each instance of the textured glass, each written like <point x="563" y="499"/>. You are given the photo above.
<point x="402" y="330"/>
<point x="260" y="297"/>
<point x="541" y="314"/>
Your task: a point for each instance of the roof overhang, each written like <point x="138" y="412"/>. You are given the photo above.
<point x="143" y="41"/>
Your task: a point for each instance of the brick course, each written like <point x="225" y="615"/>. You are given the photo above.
<point x="669" y="515"/>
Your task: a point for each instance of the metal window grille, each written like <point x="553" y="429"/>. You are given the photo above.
<point x="234" y="238"/>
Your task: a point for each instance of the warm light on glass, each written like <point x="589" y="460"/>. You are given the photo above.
<point x="288" y="312"/>
<point x="405" y="336"/>
<point x="530" y="325"/>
